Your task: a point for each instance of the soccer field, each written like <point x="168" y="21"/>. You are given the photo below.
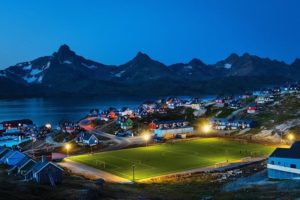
<point x="169" y="158"/>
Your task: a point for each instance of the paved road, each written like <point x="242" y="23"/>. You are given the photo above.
<point x="91" y="173"/>
<point x="119" y="142"/>
<point x="234" y="113"/>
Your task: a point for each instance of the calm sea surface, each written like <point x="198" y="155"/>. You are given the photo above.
<point x="42" y="111"/>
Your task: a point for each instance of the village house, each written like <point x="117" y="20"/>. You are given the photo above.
<point x="126" y="123"/>
<point x="127" y="112"/>
<point x="14" y="158"/>
<point x="16" y="123"/>
<point x="170" y="129"/>
<point x="3" y="151"/>
<point x="112" y="115"/>
<point x="45" y="172"/>
<point x="169" y="133"/>
<point x="234" y="104"/>
<point x="167" y="124"/>
<point x="42" y="172"/>
<point x="68" y="126"/>
<point x="220" y="103"/>
<point x="94" y="112"/>
<point x="252" y="109"/>
<point x="173" y="102"/>
<point x="219" y="123"/>
<point x="224" y="124"/>
<point x="86" y="139"/>
<point x="242" y="124"/>
<point x="149" y="105"/>
<point x="264" y="99"/>
<point x="194" y="104"/>
<point x="284" y="163"/>
<point x="24" y="165"/>
<point x="11" y="157"/>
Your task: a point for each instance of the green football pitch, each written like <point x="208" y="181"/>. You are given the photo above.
<point x="164" y="159"/>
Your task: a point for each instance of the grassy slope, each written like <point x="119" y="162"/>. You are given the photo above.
<point x="163" y="159"/>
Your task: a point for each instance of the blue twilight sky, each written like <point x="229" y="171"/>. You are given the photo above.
<point x="113" y="31"/>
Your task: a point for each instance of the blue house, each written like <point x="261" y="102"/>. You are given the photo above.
<point x="284" y="163"/>
<point x="13" y="158"/>
<point x="44" y="172"/>
<point x="25" y="164"/>
<point x="3" y="151"/>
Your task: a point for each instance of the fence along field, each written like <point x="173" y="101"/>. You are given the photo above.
<point x="151" y="161"/>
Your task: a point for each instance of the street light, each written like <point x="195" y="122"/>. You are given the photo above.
<point x="146" y="138"/>
<point x="48" y="126"/>
<point x="68" y="147"/>
<point x="206" y="128"/>
<point x="291" y="137"/>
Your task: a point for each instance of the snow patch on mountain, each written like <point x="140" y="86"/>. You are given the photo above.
<point x="48" y="65"/>
<point x="119" y="74"/>
<point x="89" y="66"/>
<point x="40" y="79"/>
<point x="35" y="72"/>
<point x="36" y="75"/>
<point x="67" y="62"/>
<point x="227" y="66"/>
<point x="28" y="67"/>
<point x="30" y="79"/>
<point x="189" y="67"/>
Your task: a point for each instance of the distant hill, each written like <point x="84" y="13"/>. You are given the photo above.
<point x="64" y="73"/>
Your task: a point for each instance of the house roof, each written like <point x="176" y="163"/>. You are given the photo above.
<point x="3" y="152"/>
<point x="87" y="136"/>
<point x="15" y="156"/>
<point x="24" y="161"/>
<point x="8" y="154"/>
<point x="41" y="165"/>
<point x="293" y="152"/>
<point x="170" y="121"/>
<point x="183" y="127"/>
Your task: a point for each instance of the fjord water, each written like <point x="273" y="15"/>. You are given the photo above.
<point x="41" y="110"/>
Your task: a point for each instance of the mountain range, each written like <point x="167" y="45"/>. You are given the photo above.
<point x="64" y="73"/>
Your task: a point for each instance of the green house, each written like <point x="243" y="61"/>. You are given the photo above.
<point x="127" y="124"/>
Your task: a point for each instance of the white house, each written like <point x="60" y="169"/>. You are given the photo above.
<point x="88" y="139"/>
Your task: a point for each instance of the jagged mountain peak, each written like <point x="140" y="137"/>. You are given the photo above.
<point x="196" y="62"/>
<point x="64" y="52"/>
<point x="232" y="57"/>
<point x="140" y="56"/>
<point x="64" y="48"/>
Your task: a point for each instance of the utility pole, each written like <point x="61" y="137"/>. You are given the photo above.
<point x="133" y="175"/>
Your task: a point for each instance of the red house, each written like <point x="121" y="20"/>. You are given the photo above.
<point x="251" y="109"/>
<point x="220" y="102"/>
<point x="112" y="115"/>
<point x="152" y="126"/>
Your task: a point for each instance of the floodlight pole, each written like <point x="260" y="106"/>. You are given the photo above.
<point x="133" y="175"/>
